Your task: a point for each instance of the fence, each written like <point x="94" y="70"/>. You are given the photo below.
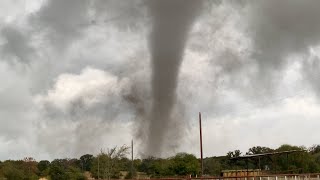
<point x="312" y="176"/>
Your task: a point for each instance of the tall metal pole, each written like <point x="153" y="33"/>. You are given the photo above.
<point x="98" y="167"/>
<point x="132" y="159"/>
<point x="201" y="143"/>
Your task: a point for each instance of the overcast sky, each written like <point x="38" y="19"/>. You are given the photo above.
<point x="75" y="73"/>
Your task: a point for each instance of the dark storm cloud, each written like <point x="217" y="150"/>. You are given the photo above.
<point x="16" y="46"/>
<point x="63" y="21"/>
<point x="311" y="72"/>
<point x="280" y="29"/>
<point x="274" y="30"/>
<point x="70" y="35"/>
<point x="126" y="15"/>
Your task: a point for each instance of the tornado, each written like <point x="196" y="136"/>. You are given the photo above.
<point x="171" y="22"/>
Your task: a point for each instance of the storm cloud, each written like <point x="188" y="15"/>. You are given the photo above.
<point x="95" y="73"/>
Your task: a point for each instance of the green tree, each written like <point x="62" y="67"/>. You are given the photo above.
<point x="126" y="165"/>
<point x="58" y="170"/>
<point x="231" y="161"/>
<point x="108" y="164"/>
<point x="30" y="168"/>
<point x="21" y="169"/>
<point x="314" y="149"/>
<point x="259" y="150"/>
<point x="147" y="165"/>
<point x="212" y="166"/>
<point x="157" y="167"/>
<point x="65" y="169"/>
<point x="74" y="173"/>
<point x="233" y="154"/>
<point x="299" y="162"/>
<point x="86" y="162"/>
<point x="43" y="167"/>
<point x="185" y="164"/>
<point x="11" y="171"/>
<point x="262" y="161"/>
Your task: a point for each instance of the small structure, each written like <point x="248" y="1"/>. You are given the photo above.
<point x="138" y="175"/>
<point x="88" y="175"/>
<point x="142" y="175"/>
<point x="242" y="173"/>
<point x="268" y="155"/>
<point x="123" y="174"/>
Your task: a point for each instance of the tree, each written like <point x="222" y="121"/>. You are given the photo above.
<point x="75" y="173"/>
<point x="30" y="167"/>
<point x="86" y="162"/>
<point x="57" y="170"/>
<point x="259" y="150"/>
<point x="157" y="167"/>
<point x="260" y="162"/>
<point x="314" y="149"/>
<point x="233" y="154"/>
<point x="65" y="169"/>
<point x="299" y="162"/>
<point x="107" y="164"/>
<point x="21" y="169"/>
<point x="126" y="164"/>
<point x="212" y="166"/>
<point x="43" y="167"/>
<point x="232" y="163"/>
<point x="11" y="171"/>
<point x="147" y="165"/>
<point x="185" y="164"/>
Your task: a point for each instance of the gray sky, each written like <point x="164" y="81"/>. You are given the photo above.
<point x="76" y="74"/>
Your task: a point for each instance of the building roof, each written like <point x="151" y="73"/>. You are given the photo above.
<point x="267" y="154"/>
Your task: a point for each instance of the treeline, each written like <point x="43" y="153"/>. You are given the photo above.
<point x="305" y="161"/>
<point x="110" y="163"/>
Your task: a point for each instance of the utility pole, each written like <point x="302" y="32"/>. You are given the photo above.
<point x="98" y="167"/>
<point x="201" y="144"/>
<point x="132" y="159"/>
